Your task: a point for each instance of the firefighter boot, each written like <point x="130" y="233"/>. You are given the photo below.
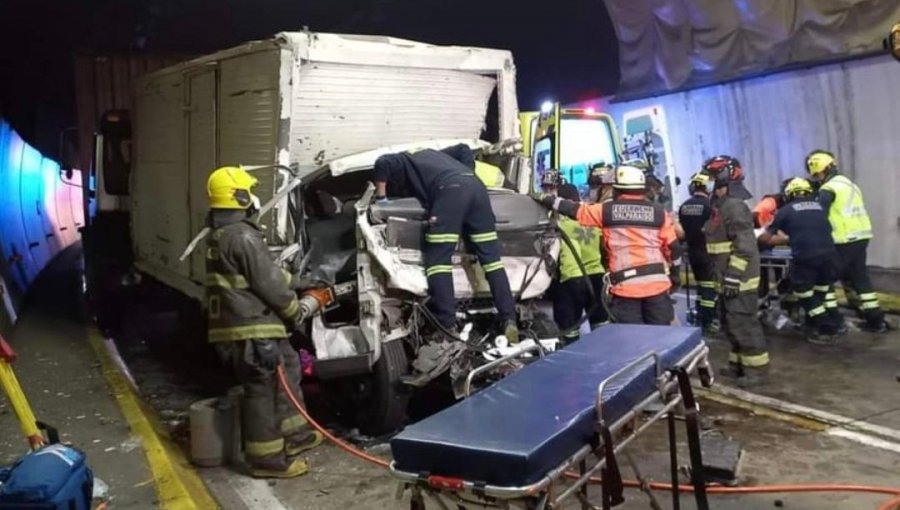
<point x="733" y="370"/>
<point x="299" y="443"/>
<point x="511" y="331"/>
<point x="278" y="467"/>
<point x="753" y="377"/>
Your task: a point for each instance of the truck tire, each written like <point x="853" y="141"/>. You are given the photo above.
<point x="385" y="409"/>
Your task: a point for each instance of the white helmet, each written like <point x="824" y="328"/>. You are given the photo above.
<point x="630" y="178"/>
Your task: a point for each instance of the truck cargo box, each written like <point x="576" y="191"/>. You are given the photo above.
<point x="299" y="100"/>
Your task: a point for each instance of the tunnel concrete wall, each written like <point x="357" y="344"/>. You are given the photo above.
<point x="40" y="214"/>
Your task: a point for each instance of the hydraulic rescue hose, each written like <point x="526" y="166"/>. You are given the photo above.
<point x="891" y="504"/>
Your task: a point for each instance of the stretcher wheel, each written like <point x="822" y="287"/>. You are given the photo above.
<point x="416" y="501"/>
<point x="706" y="378"/>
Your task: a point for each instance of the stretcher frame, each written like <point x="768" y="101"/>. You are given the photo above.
<point x="673" y="389"/>
<point x="776" y="266"/>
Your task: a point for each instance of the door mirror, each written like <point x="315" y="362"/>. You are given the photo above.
<point x="115" y="127"/>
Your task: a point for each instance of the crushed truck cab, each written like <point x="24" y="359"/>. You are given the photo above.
<point x="308" y="113"/>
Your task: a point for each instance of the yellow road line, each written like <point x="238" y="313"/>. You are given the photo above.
<point x="760" y="410"/>
<point x="177" y="484"/>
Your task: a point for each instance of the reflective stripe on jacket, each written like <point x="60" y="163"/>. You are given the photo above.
<point x="637" y="236"/>
<point x="848" y="217"/>
<point x="248" y="296"/>
<point x="731" y="244"/>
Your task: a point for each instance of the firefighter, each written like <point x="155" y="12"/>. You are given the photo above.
<point x="251" y="310"/>
<point x="457" y="202"/>
<point x="732" y="246"/>
<point x="600" y="182"/>
<point x="851" y="230"/>
<point x="693" y="214"/>
<point x="639" y="239"/>
<point x="813" y="268"/>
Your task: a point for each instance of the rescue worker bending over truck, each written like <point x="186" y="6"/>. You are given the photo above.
<point x="813" y="268"/>
<point x="640" y="243"/>
<point x="851" y="230"/>
<point x="693" y="214"/>
<point x="251" y="309"/>
<point x="457" y="202"/>
<point x="731" y="244"/>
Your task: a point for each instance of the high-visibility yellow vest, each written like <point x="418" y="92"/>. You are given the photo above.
<point x="849" y="219"/>
<point x="490" y="175"/>
<point x="587" y="244"/>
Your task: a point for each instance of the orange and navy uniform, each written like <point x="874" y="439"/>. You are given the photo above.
<point x="638" y="239"/>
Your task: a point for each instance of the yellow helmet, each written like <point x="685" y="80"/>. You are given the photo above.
<point x="820" y="161"/>
<point x="797" y="186"/>
<point x="699" y="182"/>
<point x="630" y="178"/>
<point x="229" y="188"/>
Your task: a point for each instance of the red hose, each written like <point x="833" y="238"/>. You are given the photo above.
<point x="286" y="387"/>
<point x="892" y="504"/>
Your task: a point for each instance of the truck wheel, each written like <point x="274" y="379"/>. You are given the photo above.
<point x="385" y="409"/>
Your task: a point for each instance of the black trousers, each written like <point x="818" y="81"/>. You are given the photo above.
<point x="707" y="293"/>
<point x="812" y="282"/>
<point x="656" y="309"/>
<point x="598" y="316"/>
<point x="854" y="275"/>
<point x="267" y="417"/>
<point x="571" y="300"/>
<point x="461" y="205"/>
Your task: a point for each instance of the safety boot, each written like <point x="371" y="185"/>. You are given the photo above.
<point x="821" y="338"/>
<point x="877" y="327"/>
<point x="278" y="468"/>
<point x="511" y="331"/>
<point x="733" y="371"/>
<point x="296" y="445"/>
<point x="753" y="377"/>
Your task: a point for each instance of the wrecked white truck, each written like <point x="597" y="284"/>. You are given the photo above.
<point x="309" y="113"/>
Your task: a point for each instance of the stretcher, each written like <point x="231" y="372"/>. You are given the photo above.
<point x="774" y="268"/>
<point x="539" y="436"/>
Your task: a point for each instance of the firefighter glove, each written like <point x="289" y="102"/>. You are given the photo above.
<point x="731" y="287"/>
<point x="560" y="205"/>
<point x="267" y="353"/>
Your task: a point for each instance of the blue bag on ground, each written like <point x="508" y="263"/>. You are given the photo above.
<point x="52" y="478"/>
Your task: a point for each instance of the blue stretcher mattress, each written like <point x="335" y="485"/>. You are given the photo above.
<point x="514" y="432"/>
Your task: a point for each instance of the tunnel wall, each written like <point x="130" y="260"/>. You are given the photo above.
<point x="40" y="214"/>
<point x="771" y="123"/>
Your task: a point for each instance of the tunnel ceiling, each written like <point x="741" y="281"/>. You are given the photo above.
<point x="667" y="45"/>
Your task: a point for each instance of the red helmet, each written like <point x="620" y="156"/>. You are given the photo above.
<point x="724" y="169"/>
